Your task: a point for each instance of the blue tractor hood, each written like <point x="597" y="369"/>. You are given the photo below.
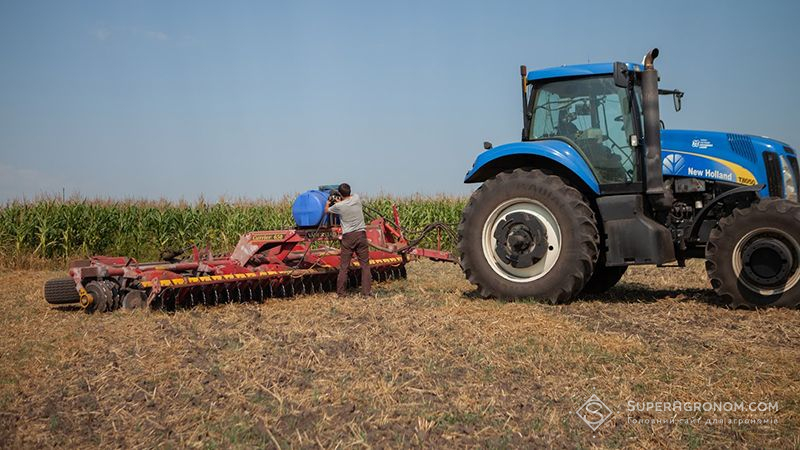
<point x="718" y="156"/>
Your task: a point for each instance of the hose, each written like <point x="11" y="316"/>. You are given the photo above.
<point x="447" y="228"/>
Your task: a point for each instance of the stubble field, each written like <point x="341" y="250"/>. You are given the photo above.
<point x="425" y="364"/>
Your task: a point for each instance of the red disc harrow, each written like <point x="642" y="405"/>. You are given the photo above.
<point x="264" y="264"/>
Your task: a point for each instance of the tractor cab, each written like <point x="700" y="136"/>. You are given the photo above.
<point x="593" y="115"/>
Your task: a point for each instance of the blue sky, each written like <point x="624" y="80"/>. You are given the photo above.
<point x="259" y="99"/>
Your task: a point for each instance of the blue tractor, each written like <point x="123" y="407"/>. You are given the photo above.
<point x="597" y="185"/>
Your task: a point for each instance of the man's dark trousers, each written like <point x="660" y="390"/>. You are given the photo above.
<point x="355" y="242"/>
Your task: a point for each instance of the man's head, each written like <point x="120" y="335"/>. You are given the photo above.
<point x="344" y="189"/>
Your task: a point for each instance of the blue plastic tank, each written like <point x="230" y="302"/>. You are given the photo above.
<point x="308" y="208"/>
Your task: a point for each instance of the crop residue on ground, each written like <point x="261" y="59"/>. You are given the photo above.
<point x="426" y="363"/>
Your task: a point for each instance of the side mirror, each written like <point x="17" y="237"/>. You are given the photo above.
<point x="676" y="97"/>
<point x="621" y="78"/>
<point x="487" y="145"/>
<point x="676" y="100"/>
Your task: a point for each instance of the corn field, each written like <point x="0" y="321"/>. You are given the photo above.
<point x="58" y="230"/>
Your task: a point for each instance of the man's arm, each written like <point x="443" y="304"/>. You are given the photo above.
<point x="330" y="208"/>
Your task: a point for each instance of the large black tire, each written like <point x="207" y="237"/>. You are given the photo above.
<point x="61" y="291"/>
<point x="570" y="267"/>
<point x="603" y="278"/>
<point x="753" y="255"/>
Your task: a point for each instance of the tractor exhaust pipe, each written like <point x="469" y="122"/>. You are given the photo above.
<point x="649" y="58"/>
<point x="523" y="72"/>
<point x="654" y="176"/>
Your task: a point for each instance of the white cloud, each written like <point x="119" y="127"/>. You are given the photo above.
<point x="101" y="34"/>
<point x="157" y="35"/>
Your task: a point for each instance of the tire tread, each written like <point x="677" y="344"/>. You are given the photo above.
<point x="723" y="283"/>
<point x="61" y="291"/>
<point x="588" y="235"/>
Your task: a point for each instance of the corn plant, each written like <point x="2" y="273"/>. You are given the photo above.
<point x="54" y="229"/>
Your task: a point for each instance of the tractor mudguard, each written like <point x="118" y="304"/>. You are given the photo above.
<point x="554" y="150"/>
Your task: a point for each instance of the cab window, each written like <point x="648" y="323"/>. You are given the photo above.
<point x="593" y="114"/>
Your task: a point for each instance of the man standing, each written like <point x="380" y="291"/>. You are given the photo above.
<point x="354" y="238"/>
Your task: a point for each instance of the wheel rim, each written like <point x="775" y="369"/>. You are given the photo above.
<point x="766" y="261"/>
<point x="529" y="238"/>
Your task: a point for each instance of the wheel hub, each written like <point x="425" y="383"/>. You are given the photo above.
<point x="767" y="261"/>
<point x="521" y="240"/>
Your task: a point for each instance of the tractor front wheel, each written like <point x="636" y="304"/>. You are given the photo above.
<point x="528" y="234"/>
<point x="753" y="255"/>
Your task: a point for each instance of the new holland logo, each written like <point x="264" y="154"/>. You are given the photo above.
<point x="673" y="164"/>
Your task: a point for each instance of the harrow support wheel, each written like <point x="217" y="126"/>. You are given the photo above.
<point x="61" y="291"/>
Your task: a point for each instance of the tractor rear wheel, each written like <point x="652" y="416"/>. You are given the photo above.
<point x="528" y="234"/>
<point x="603" y="278"/>
<point x="753" y="255"/>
